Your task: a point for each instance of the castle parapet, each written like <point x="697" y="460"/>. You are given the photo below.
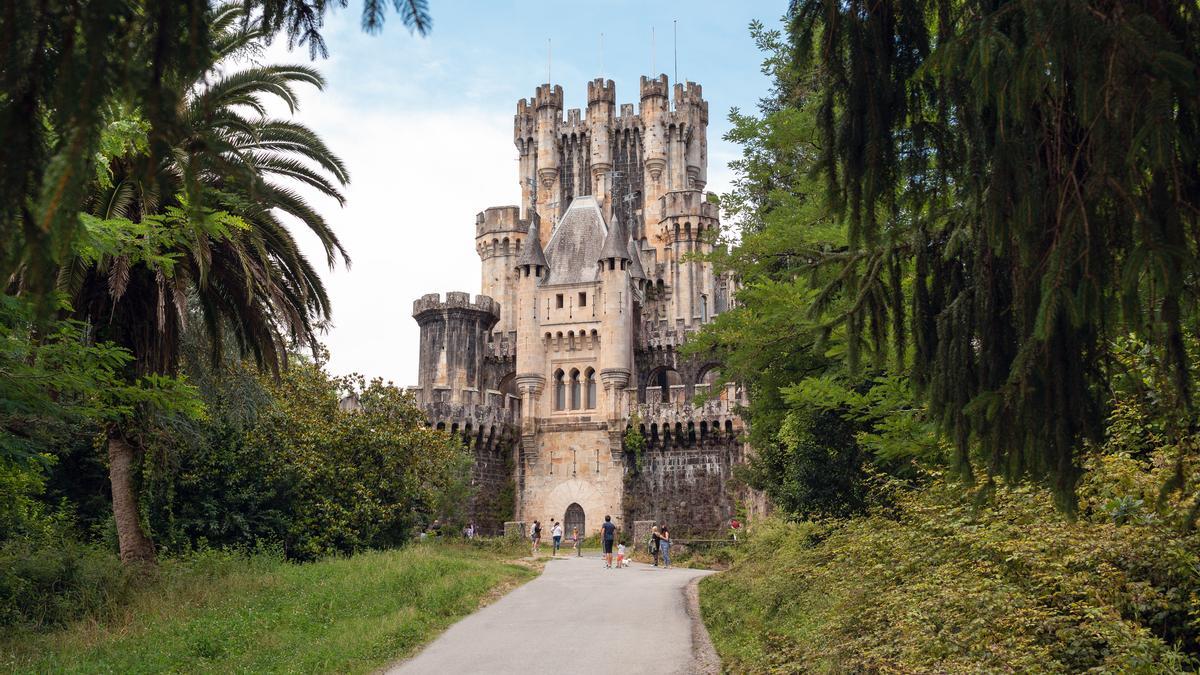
<point x="548" y="96"/>
<point x="500" y="220"/>
<point x="601" y="90"/>
<point x="688" y="203"/>
<point x="455" y="300"/>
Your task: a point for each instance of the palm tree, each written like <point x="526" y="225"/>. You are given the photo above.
<point x="245" y="277"/>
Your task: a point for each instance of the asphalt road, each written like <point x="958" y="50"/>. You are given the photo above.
<point x="577" y="617"/>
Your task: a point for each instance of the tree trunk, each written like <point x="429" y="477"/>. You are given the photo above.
<point x="135" y="546"/>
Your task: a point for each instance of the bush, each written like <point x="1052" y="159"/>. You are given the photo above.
<point x="50" y="579"/>
<point x="938" y="585"/>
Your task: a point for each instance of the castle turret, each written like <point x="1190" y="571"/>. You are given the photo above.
<point x="499" y="240"/>
<point x="453" y="345"/>
<point x="653" y="112"/>
<point x="687" y="223"/>
<point x="692" y="112"/>
<point x="548" y="101"/>
<point x="616" y="348"/>
<point x="531" y="357"/>
<point x="602" y="103"/>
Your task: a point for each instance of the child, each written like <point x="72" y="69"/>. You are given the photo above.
<point x="621" y="555"/>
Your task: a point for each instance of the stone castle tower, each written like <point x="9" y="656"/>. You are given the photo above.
<point x="587" y="292"/>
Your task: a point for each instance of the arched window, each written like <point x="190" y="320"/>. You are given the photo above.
<point x="560" y="391"/>
<point x="591" y="389"/>
<point x="576" y="400"/>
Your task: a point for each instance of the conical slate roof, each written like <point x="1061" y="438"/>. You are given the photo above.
<point x="615" y="242"/>
<point x="636" y="271"/>
<point x="532" y="254"/>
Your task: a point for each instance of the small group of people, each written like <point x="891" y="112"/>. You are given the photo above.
<point x="556" y="536"/>
<point x="660" y="542"/>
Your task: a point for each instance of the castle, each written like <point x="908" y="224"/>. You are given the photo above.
<point x="588" y="290"/>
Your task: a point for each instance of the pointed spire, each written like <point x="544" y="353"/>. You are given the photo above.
<point x="636" y="270"/>
<point x="533" y="255"/>
<point x="614" y="242"/>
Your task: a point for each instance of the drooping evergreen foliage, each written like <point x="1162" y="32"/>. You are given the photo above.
<point x="1019" y="183"/>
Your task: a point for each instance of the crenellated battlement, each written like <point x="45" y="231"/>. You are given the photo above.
<point x="601" y="90"/>
<point x="652" y="87"/>
<point x="548" y="96"/>
<point x="455" y="300"/>
<point x="500" y="220"/>
<point x="574" y="117"/>
<point x="688" y="203"/>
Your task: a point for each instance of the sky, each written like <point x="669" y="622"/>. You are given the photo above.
<point x="425" y="128"/>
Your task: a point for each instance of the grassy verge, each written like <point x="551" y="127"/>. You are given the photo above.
<point x="936" y="585"/>
<point x="225" y="613"/>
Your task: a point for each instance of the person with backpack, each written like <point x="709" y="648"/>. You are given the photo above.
<point x="654" y="543"/>
<point x="535" y="535"/>
<point x="608" y="532"/>
<point x="664" y="545"/>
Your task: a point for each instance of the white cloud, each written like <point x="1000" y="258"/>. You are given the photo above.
<point x="417" y="181"/>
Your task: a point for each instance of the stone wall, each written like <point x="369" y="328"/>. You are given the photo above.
<point x="685" y="487"/>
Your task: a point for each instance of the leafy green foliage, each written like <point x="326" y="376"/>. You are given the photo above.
<point x="936" y="585"/>
<point x="73" y="67"/>
<point x="282" y="464"/>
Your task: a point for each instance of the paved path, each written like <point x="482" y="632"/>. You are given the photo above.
<point x="577" y="617"/>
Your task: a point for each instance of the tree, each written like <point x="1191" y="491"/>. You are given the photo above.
<point x="150" y="254"/>
<point x="1020" y="183"/>
<point x="64" y="65"/>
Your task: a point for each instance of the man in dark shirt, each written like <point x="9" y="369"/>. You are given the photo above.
<point x="608" y="532"/>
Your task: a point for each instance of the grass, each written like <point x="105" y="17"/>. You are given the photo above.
<point x="224" y="613"/>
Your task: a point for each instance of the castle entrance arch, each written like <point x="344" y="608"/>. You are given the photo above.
<point x="573" y="519"/>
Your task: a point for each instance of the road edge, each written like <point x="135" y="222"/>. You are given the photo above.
<point x="704" y="655"/>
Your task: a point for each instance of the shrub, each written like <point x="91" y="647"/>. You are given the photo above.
<point x="51" y="578"/>
<point x="939" y="585"/>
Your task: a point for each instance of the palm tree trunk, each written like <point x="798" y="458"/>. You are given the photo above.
<point x="135" y="546"/>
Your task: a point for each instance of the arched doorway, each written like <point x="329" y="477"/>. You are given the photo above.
<point x="573" y="519"/>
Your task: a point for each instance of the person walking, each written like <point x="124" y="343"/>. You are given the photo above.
<point x="664" y="545"/>
<point x="556" y="534"/>
<point x="655" y="540"/>
<point x="575" y="541"/>
<point x="608" y="532"/>
<point x="535" y="535"/>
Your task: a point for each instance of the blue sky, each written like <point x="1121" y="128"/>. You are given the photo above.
<point x="425" y="126"/>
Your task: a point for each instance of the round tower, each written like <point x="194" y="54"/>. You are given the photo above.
<point x="525" y="138"/>
<point x="453" y="345"/>
<point x="616" y="345"/>
<point x="653" y="112"/>
<point x="531" y="268"/>
<point x="548" y="100"/>
<point x="602" y="103"/>
<point x="499" y="238"/>
<point x="692" y="111"/>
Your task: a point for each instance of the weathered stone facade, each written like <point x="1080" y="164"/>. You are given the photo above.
<point x="588" y="291"/>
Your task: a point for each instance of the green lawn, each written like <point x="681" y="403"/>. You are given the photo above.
<point x="223" y="613"/>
